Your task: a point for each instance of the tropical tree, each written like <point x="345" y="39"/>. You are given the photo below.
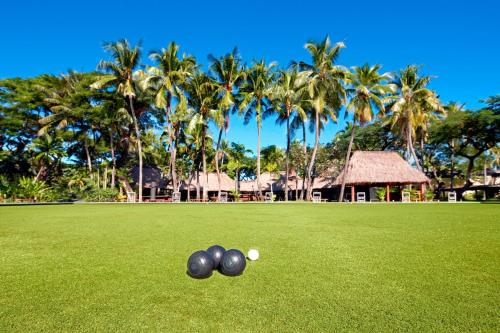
<point x="272" y="158"/>
<point x="289" y="98"/>
<point x="367" y="89"/>
<point x="167" y="81"/>
<point x="228" y="75"/>
<point x="325" y="88"/>
<point x="203" y="107"/>
<point x="408" y="106"/>
<point x="120" y="75"/>
<point x="256" y="94"/>
<point x="47" y="151"/>
<point x="237" y="161"/>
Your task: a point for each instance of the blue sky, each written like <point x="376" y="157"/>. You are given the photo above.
<point x="457" y="42"/>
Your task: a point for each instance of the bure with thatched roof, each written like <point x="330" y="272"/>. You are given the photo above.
<point x="380" y="168"/>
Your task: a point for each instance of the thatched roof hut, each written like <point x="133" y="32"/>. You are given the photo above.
<point x="380" y="168"/>
<point x="227" y="183"/>
<point x="151" y="176"/>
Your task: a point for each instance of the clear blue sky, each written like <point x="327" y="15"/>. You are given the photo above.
<point x="458" y="42"/>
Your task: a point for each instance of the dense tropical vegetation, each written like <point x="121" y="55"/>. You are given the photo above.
<point x="74" y="136"/>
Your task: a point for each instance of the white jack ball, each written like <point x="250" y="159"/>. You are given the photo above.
<point x="253" y="254"/>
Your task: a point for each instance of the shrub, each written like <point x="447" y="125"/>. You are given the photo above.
<point x="100" y="195"/>
<point x="380" y="193"/>
<point x="31" y="189"/>
<point x="236" y="195"/>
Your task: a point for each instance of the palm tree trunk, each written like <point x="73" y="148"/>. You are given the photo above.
<point x="313" y="157"/>
<point x="39" y="173"/>
<point x="217" y="163"/>
<point x="198" y="183"/>
<point x="411" y="149"/>
<point x="204" y="159"/>
<point x="258" y="158"/>
<point x="452" y="169"/>
<point x="287" y="171"/>
<point x="346" y="168"/>
<point x="87" y="154"/>
<point x="173" y="160"/>
<point x="304" y="148"/>
<point x="113" y="160"/>
<point x="139" y="145"/>
<point x="171" y="136"/>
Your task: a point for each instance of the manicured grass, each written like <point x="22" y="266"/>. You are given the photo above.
<point x="328" y="267"/>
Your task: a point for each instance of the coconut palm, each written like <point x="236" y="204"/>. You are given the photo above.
<point x="289" y="98"/>
<point x="412" y="99"/>
<point x="166" y="82"/>
<point x="202" y="95"/>
<point x="228" y="75"/>
<point x="367" y="89"/>
<point x="325" y="88"/>
<point x="120" y="72"/>
<point x="237" y="161"/>
<point x="256" y="93"/>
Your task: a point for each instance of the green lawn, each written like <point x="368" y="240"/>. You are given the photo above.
<point x="328" y="267"/>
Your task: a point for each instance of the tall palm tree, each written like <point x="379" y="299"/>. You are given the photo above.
<point x="256" y="93"/>
<point x="412" y="99"/>
<point x="289" y="97"/>
<point x="167" y="82"/>
<point x="326" y="90"/>
<point x="202" y="95"/>
<point x="121" y="75"/>
<point x="367" y="89"/>
<point x="228" y="75"/>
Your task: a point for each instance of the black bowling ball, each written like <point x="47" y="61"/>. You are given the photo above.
<point x="233" y="263"/>
<point x="216" y="252"/>
<point x="200" y="265"/>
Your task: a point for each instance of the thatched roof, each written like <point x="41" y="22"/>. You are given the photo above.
<point x="380" y="167"/>
<point x="227" y="183"/>
<point x="151" y="176"/>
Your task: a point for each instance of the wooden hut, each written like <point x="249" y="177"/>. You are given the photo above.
<point x="380" y="169"/>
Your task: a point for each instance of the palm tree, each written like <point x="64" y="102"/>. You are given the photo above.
<point x="70" y="105"/>
<point x="412" y="99"/>
<point x="167" y="81"/>
<point x="237" y="161"/>
<point x="47" y="151"/>
<point x="228" y="75"/>
<point x="367" y="89"/>
<point x="272" y="158"/>
<point x="202" y="95"/>
<point x="256" y="93"/>
<point x="120" y="75"/>
<point x="325" y="88"/>
<point x="289" y="97"/>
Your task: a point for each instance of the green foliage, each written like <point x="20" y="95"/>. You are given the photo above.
<point x="100" y="195"/>
<point x="31" y="189"/>
<point x="381" y="193"/>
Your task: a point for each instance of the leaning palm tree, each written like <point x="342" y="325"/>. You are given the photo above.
<point x="412" y="99"/>
<point x="202" y="95"/>
<point x="120" y="72"/>
<point x="255" y="100"/>
<point x="326" y="90"/>
<point x="47" y="151"/>
<point x="367" y="90"/>
<point x="166" y="82"/>
<point x="228" y="75"/>
<point x="289" y="98"/>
